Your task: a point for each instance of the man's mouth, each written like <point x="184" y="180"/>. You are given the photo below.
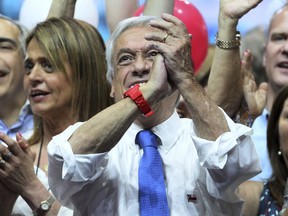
<point x="2" y="74"/>
<point x="283" y="65"/>
<point x="140" y="83"/>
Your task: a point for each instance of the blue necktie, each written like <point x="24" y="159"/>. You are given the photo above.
<point x="152" y="192"/>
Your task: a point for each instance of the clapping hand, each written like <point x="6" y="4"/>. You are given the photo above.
<point x="17" y="167"/>
<point x="255" y="96"/>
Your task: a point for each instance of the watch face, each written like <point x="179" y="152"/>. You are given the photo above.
<point x="44" y="206"/>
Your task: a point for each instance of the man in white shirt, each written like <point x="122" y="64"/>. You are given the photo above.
<point x="93" y="166"/>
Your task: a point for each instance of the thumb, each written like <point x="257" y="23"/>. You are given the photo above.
<point x="23" y="143"/>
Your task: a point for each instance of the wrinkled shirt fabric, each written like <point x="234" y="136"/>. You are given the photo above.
<point x="200" y="175"/>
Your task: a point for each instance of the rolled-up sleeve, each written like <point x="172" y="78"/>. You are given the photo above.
<point x="230" y="160"/>
<point x="214" y="154"/>
<point x="68" y="172"/>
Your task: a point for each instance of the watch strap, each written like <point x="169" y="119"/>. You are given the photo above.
<point x="136" y="95"/>
<point x="231" y="44"/>
<point x="41" y="211"/>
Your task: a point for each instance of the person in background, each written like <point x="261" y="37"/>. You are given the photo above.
<point x="275" y="61"/>
<point x="268" y="198"/>
<point x="65" y="83"/>
<point x="254" y="41"/>
<point x="15" y="112"/>
<point x="93" y="167"/>
<point x="225" y="82"/>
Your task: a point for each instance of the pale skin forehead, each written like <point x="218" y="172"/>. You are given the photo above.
<point x="134" y="39"/>
<point x="280" y="17"/>
<point x="8" y="29"/>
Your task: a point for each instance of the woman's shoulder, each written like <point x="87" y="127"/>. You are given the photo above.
<point x="268" y="203"/>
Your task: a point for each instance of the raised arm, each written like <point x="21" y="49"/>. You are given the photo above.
<point x="99" y="137"/>
<point x="209" y="121"/>
<point x="226" y="68"/>
<point x="125" y="9"/>
<point x="61" y="8"/>
<point x="157" y="8"/>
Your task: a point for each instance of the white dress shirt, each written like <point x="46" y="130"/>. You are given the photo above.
<point x="200" y="175"/>
<point x="259" y="139"/>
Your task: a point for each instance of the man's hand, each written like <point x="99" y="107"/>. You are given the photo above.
<point x="235" y="9"/>
<point x="255" y="97"/>
<point x="173" y="42"/>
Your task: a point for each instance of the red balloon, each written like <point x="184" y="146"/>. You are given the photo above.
<point x="195" y="24"/>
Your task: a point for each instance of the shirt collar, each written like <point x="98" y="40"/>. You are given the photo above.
<point x="26" y="109"/>
<point x="265" y="114"/>
<point x="168" y="131"/>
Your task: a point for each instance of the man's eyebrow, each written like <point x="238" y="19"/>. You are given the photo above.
<point x="123" y="50"/>
<point x="13" y="42"/>
<point x="152" y="46"/>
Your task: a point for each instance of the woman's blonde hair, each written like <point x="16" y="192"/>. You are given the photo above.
<point x="67" y="40"/>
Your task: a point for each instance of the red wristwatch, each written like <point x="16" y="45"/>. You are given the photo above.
<point x="136" y="95"/>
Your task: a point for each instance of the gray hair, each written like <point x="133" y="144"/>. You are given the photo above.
<point x="141" y="21"/>
<point x="23" y="32"/>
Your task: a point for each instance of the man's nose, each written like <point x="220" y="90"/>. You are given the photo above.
<point x="285" y="48"/>
<point x="141" y="67"/>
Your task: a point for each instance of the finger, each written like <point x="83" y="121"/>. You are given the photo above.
<point x="2" y="162"/>
<point x="170" y="24"/>
<point x="161" y="24"/>
<point x="22" y="141"/>
<point x="27" y="149"/>
<point x="159" y="36"/>
<point x="173" y="20"/>
<point x="7" y="155"/>
<point x="12" y="145"/>
<point x="262" y="91"/>
<point x="263" y="86"/>
<point x="246" y="69"/>
<point x="158" y="69"/>
<point x="247" y="60"/>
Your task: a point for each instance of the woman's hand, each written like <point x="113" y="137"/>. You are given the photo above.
<point x="17" y="172"/>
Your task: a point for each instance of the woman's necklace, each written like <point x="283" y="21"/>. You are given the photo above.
<point x="39" y="155"/>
